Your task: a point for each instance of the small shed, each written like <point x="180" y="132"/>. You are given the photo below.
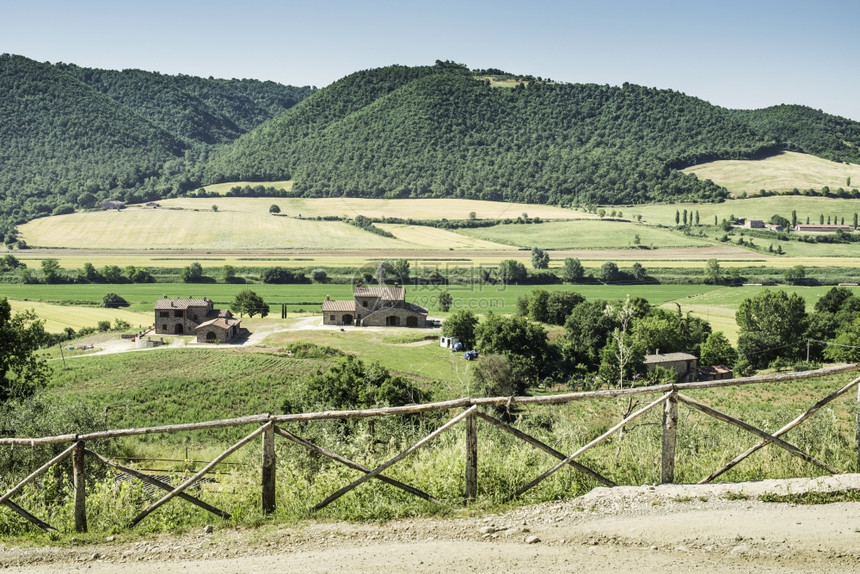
<point x="448" y="342"/>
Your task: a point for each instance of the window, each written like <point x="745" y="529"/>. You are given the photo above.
<point x="331" y="318"/>
<point x="164" y="313"/>
<point x="364" y="303"/>
<point x="178" y="313"/>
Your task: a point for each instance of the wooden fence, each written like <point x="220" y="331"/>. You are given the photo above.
<point x="669" y="397"/>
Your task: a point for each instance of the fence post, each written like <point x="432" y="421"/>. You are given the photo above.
<point x="857" y="427"/>
<point x="471" y="457"/>
<point x="670" y="427"/>
<point x="269" y="468"/>
<point x="79" y="479"/>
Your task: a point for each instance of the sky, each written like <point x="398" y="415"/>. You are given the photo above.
<point x="737" y="54"/>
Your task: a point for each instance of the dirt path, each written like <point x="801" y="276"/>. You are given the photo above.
<point x="671" y="528"/>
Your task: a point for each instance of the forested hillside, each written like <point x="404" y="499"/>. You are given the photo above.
<point x="73" y="137"/>
<point x="450" y="133"/>
<point x="198" y="110"/>
<point x="801" y="128"/>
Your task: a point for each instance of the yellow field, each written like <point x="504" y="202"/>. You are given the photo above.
<point x="352" y="206"/>
<point x="58" y="317"/>
<point x="228" y="228"/>
<point x="780" y="173"/>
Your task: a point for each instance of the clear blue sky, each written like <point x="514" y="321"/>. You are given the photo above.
<point x="737" y="54"/>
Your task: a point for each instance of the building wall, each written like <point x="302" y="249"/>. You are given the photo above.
<point x="189" y="319"/>
<point x="380" y="318"/>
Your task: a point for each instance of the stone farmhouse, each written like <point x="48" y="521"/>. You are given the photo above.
<point x="195" y="316"/>
<point x="375" y="307"/>
<point x="684" y="364"/>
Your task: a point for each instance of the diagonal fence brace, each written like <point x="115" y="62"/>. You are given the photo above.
<point x="376" y="471"/>
<point x="352" y="464"/>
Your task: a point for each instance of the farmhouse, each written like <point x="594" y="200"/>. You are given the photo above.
<point x="375" y="307"/>
<point x="684" y="364"/>
<point x="197" y="316"/>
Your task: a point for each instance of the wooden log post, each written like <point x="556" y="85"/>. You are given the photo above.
<point x="471" y="458"/>
<point x="269" y="469"/>
<point x="79" y="475"/>
<point x="670" y="428"/>
<point x="857" y="428"/>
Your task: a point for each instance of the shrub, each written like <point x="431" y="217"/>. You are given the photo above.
<point x="112" y="301"/>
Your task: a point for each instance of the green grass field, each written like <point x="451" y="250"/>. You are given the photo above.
<point x="586" y="234"/>
<point x="780" y="173"/>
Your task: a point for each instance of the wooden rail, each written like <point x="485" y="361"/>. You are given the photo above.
<point x="669" y="398"/>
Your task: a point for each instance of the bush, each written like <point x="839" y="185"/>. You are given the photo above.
<point x="113" y="301"/>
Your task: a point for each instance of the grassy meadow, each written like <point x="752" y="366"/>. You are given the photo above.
<point x="781" y="173"/>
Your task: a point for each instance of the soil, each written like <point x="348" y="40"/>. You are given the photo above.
<point x="667" y="528"/>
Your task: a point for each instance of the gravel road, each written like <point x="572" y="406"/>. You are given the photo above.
<point x="668" y="528"/>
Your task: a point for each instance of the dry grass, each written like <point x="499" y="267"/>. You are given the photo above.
<point x="780" y="173"/>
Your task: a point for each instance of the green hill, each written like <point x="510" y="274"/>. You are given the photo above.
<point x="198" y="110"/>
<point x="74" y="137"/>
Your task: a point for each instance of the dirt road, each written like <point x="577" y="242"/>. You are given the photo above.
<point x="671" y="528"/>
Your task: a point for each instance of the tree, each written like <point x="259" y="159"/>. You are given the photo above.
<point x="638" y="272"/>
<point x="9" y="262"/>
<point x="400" y="267"/>
<point x="192" y="274"/>
<point x="246" y="301"/>
<point x="772" y="325"/>
<point x="277" y="275"/>
<point x="383" y="270"/>
<point x="522" y="342"/>
<point x="573" y="271"/>
<point x="90" y="274"/>
<point x="51" y="271"/>
<point x="112" y="274"/>
<point x="540" y="258"/>
<point x="214" y="207"/>
<point x="587" y="329"/>
<point x="780" y="221"/>
<point x="113" y="301"/>
<point x="833" y="300"/>
<point x="795" y="275"/>
<point x="461" y="325"/>
<point x="560" y="305"/>
<point x="537" y="304"/>
<point x="274" y="209"/>
<point x="22" y="370"/>
<point x="228" y="274"/>
<point x="847" y="344"/>
<point x="608" y="272"/>
<point x="512" y="271"/>
<point x="717" y="350"/>
<point x="493" y="376"/>
<point x="444" y="301"/>
<point x="621" y="357"/>
<point x="713" y="273"/>
<point x="319" y="276"/>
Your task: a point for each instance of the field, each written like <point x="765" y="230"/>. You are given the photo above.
<point x="587" y="234"/>
<point x="191" y="382"/>
<point x="781" y="173"/>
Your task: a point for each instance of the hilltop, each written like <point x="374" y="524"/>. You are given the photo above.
<point x="75" y="137"/>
